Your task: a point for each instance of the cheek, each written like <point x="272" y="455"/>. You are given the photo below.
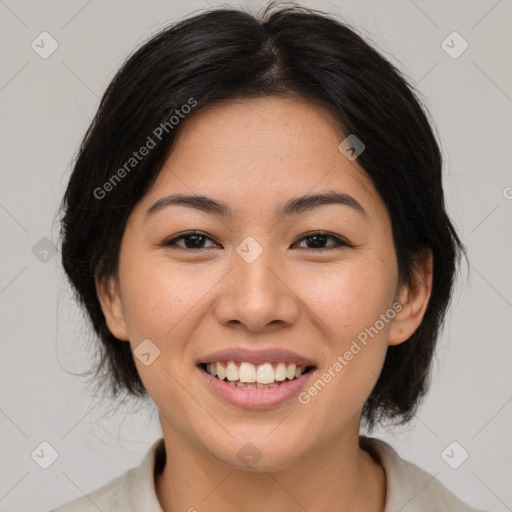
<point x="348" y="299"/>
<point x="160" y="296"/>
<point x="349" y="304"/>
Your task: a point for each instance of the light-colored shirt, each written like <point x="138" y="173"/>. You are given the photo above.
<point x="408" y="488"/>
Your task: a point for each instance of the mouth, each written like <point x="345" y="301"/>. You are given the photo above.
<point x="256" y="379"/>
<point x="243" y="374"/>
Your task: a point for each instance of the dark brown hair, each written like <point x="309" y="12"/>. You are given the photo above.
<point x="227" y="53"/>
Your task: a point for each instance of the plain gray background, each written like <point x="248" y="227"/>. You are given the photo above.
<point x="46" y="106"/>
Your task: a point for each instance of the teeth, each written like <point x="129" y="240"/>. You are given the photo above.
<point x="221" y="371"/>
<point x="290" y="371"/>
<point x="250" y="385"/>
<point x="255" y="385"/>
<point x="281" y="372"/>
<point x="212" y="369"/>
<point x="248" y="375"/>
<point x="232" y="371"/>
<point x="266" y="373"/>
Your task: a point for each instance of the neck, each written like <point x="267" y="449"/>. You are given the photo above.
<point x="340" y="477"/>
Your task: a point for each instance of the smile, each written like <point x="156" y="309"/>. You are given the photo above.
<point x="249" y="376"/>
<point x="255" y="386"/>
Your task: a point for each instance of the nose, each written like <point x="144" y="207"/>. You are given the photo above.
<point x="258" y="295"/>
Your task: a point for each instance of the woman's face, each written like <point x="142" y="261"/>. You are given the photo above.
<point x="257" y="286"/>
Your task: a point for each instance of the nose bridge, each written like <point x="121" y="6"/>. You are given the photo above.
<point x="255" y="270"/>
<point x="256" y="294"/>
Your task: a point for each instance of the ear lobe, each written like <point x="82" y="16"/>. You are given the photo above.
<point x="107" y="290"/>
<point x="413" y="297"/>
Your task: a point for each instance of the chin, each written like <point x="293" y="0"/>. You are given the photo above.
<point x="261" y="452"/>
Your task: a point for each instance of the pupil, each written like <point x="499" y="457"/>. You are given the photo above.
<point x="197" y="241"/>
<point x="318" y="240"/>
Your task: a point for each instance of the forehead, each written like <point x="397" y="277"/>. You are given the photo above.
<point x="276" y="128"/>
<point x="261" y="149"/>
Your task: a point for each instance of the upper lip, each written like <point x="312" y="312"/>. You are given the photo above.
<point x="256" y="357"/>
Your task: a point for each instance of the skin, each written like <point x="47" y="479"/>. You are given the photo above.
<point x="253" y="155"/>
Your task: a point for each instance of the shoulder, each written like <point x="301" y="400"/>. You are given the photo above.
<point x="410" y="488"/>
<point x="133" y="491"/>
<point x="107" y="498"/>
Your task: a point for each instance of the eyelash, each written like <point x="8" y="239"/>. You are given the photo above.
<point x="340" y="242"/>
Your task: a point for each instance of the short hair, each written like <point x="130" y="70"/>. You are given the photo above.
<point x="224" y="54"/>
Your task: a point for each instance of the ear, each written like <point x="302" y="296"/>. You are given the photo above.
<point x="413" y="297"/>
<point x="107" y="290"/>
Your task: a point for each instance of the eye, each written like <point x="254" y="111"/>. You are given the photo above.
<point x="192" y="240"/>
<point x="318" y="239"/>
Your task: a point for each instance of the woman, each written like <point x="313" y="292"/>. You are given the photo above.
<point x="255" y="225"/>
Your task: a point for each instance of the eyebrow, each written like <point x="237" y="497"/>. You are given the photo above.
<point x="294" y="206"/>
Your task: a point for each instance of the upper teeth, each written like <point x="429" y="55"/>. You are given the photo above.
<point x="247" y="372"/>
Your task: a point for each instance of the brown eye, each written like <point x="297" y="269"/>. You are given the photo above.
<point x="318" y="239"/>
<point x="191" y="240"/>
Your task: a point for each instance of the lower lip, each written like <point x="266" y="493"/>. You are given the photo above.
<point x="249" y="398"/>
